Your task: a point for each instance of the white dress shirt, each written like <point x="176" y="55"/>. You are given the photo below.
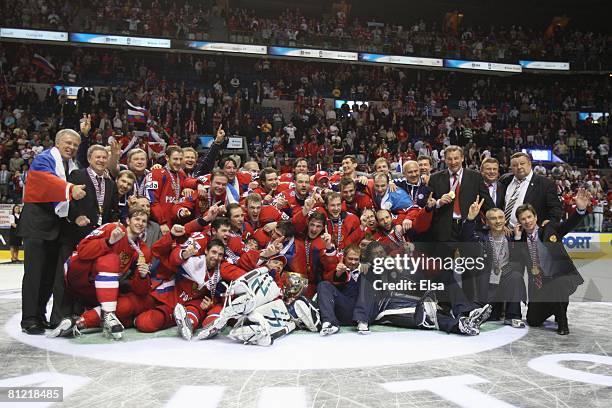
<point x="521" y="197"/>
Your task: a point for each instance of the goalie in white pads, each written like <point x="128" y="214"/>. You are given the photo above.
<point x="260" y="309"/>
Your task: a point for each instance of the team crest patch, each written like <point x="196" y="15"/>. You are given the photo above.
<point x="124" y="259"/>
<point x="553" y="238"/>
<point x="151" y="185"/>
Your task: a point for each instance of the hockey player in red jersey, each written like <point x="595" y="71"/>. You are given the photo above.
<point x="238" y="228"/>
<point x="292" y="200"/>
<point x="211" y="190"/>
<point x="344" y="227"/>
<point x="105" y="256"/>
<point x="319" y="252"/>
<point x="352" y="200"/>
<point x="164" y="187"/>
<point x="195" y="245"/>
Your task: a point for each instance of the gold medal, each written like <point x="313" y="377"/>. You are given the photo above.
<point x="456" y="254"/>
<point x="535" y="271"/>
<point x="497" y="270"/>
<point x="452" y="195"/>
<point x="141" y="259"/>
<point x="553" y="238"/>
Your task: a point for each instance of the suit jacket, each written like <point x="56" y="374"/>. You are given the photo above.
<point x="555" y="256"/>
<point x="88" y="206"/>
<point x="485" y="249"/>
<point x="38" y="220"/>
<point x="542" y="194"/>
<point x="472" y="184"/>
<point x="500" y="199"/>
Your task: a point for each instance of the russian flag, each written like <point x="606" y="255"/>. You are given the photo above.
<point x="136" y="114"/>
<point x="46" y="181"/>
<point x="44" y="64"/>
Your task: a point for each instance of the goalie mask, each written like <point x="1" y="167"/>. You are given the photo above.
<point x="293" y="284"/>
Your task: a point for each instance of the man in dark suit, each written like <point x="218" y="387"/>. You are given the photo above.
<point x="489" y="168"/>
<point x="553" y="277"/>
<point x="455" y="189"/>
<point x="523" y="186"/>
<point x="99" y="207"/>
<point x="46" y="198"/>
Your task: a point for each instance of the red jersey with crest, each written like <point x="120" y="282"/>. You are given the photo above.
<point x="233" y="249"/>
<point x="164" y="190"/>
<point x="95" y="245"/>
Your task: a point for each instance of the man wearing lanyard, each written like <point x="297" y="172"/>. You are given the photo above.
<point x="99" y="207"/>
<point x="337" y="293"/>
<point x="553" y="277"/>
<point x="500" y="282"/>
<point x="411" y="183"/>
<point x="455" y="189"/>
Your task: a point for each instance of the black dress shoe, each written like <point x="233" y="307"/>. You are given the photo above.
<point x="48" y="325"/>
<point x="563" y="331"/>
<point x="34" y="329"/>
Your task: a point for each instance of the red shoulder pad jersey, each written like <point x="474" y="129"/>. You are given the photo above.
<point x="94" y="246"/>
<point x="162" y="194"/>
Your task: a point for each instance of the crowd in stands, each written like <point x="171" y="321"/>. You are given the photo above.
<point x="190" y="20"/>
<point x="411" y="113"/>
<point x="495" y="43"/>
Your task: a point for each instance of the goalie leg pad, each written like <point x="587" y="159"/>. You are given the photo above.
<point x="264" y="324"/>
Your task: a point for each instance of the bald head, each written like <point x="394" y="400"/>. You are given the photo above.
<point x="411" y="171"/>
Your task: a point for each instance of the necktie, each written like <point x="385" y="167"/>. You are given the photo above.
<point x="100" y="181"/>
<point x="535" y="259"/>
<point x="512" y="201"/>
<point x="457" y="184"/>
<point x="66" y="167"/>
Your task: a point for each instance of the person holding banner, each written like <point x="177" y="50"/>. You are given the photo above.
<point x="46" y="201"/>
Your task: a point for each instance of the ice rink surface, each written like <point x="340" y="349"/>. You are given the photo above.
<point x="503" y="367"/>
